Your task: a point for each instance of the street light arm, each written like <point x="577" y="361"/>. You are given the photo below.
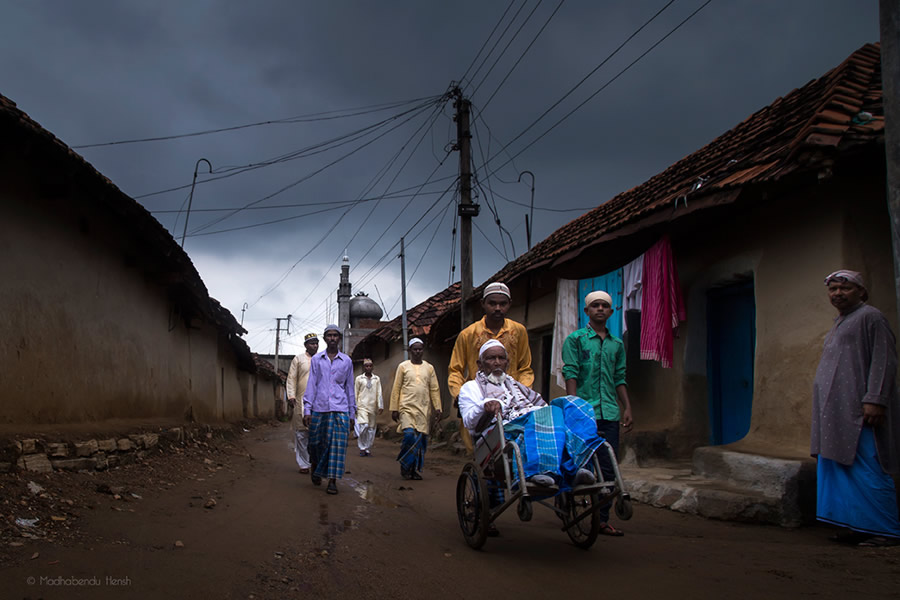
<point x="530" y="221"/>
<point x="191" y="195"/>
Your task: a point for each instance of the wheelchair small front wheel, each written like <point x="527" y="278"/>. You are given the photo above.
<point x="624" y="508"/>
<point x="525" y="509"/>
<point x="582" y="522"/>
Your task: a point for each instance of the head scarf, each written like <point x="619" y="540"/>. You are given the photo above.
<point x="598" y="295"/>
<point x="490" y="344"/>
<point x="845" y="275"/>
<point x="496" y="288"/>
<point x="415" y="341"/>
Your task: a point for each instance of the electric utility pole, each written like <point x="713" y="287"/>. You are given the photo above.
<point x="403" y="320"/>
<point x="287" y="330"/>
<point x="467" y="209"/>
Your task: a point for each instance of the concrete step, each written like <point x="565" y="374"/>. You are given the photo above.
<point x="728" y="485"/>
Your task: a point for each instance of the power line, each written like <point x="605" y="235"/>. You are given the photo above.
<point x="453" y="250"/>
<point x="619" y="74"/>
<point x="499" y="39"/>
<point x="305" y="177"/>
<point x="428" y="247"/>
<point x="392" y="196"/>
<point x="322" y="116"/>
<point x="384" y="171"/>
<point x="509" y="43"/>
<point x="521" y="56"/>
<point x="305" y="152"/>
<point x="586" y="77"/>
<point x="480" y="50"/>
<point x="274" y="221"/>
<point x="424" y="214"/>
<point x="489" y="241"/>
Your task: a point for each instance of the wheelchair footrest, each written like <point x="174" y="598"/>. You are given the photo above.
<point x="535" y="489"/>
<point x="602" y="488"/>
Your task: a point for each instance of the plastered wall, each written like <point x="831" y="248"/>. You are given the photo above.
<point x="84" y="335"/>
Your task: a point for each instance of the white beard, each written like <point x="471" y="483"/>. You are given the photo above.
<point x="497" y="379"/>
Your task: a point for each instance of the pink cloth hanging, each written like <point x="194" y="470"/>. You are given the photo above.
<point x="662" y="305"/>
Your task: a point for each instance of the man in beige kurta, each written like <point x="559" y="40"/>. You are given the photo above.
<point x="297" y="377"/>
<point x="415" y="400"/>
<point x="369" y="402"/>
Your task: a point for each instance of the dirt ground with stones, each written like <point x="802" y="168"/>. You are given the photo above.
<point x="228" y="516"/>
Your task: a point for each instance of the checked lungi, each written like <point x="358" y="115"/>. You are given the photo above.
<point x="557" y="439"/>
<point x="412" y="451"/>
<point x="328" y="434"/>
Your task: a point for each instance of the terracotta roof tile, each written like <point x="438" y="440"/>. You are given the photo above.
<point x="419" y="318"/>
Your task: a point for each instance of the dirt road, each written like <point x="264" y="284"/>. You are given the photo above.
<point x="271" y="534"/>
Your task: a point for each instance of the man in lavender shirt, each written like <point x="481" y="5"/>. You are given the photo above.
<point x="329" y="408"/>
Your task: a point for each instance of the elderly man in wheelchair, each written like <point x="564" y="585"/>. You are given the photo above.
<point x="552" y="446"/>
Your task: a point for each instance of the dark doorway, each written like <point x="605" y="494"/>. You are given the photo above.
<point x="731" y="331"/>
<point x="546" y="359"/>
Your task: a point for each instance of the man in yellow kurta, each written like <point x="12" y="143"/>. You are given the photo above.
<point x="298" y="375"/>
<point x="415" y="400"/>
<point x="495" y="301"/>
<point x="368" y="401"/>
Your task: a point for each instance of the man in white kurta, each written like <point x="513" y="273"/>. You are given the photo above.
<point x="297" y="377"/>
<point x="369" y="402"/>
<point x="415" y="400"/>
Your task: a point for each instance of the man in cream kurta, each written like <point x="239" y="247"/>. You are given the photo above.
<point x="368" y="401"/>
<point x="415" y="400"/>
<point x="298" y="375"/>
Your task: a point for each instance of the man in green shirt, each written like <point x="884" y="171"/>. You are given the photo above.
<point x="594" y="369"/>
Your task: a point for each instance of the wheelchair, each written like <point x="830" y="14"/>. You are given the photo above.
<point x="496" y="472"/>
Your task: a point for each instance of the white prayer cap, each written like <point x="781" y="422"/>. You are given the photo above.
<point x="490" y="344"/>
<point x="415" y="341"/>
<point x="598" y="295"/>
<point x="496" y="288"/>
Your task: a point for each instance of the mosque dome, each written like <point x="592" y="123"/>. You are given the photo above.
<point x="363" y="307"/>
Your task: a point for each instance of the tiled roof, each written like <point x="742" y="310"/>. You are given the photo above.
<point x="801" y="132"/>
<point x="265" y="368"/>
<point x="163" y="256"/>
<point x="419" y="318"/>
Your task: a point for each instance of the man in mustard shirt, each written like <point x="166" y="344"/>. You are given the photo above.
<point x="415" y="400"/>
<point x="495" y="301"/>
<point x="594" y="368"/>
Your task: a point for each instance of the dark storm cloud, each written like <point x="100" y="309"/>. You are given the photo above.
<point x="109" y="70"/>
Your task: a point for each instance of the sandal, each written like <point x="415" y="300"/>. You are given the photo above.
<point x="877" y="541"/>
<point x="607" y="529"/>
<point x="332" y="488"/>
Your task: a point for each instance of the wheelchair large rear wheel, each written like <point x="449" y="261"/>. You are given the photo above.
<point x="584" y="533"/>
<point x="472" y="506"/>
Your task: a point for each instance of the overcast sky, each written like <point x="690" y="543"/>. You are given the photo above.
<point x="370" y="159"/>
